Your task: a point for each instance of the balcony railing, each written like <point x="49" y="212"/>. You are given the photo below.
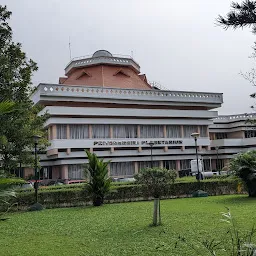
<point x="134" y="94"/>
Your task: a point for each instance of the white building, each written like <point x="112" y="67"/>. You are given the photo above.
<point x="106" y="106"/>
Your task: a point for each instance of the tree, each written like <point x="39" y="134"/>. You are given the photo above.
<point x="17" y="127"/>
<point x="242" y="15"/>
<point x="155" y="183"/>
<point x="244" y="166"/>
<point x="99" y="182"/>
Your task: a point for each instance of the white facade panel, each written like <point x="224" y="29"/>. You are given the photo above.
<point x="125" y="112"/>
<point x="74" y="120"/>
<point x="108" y="143"/>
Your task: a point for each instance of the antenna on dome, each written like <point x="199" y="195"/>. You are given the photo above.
<point x="69" y="44"/>
<point x="132" y="53"/>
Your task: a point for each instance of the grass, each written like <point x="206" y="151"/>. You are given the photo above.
<point x="123" y="229"/>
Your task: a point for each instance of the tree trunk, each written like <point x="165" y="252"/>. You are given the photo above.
<point x="156" y="212"/>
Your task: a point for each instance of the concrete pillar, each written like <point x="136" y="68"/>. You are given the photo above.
<point x="136" y="167"/>
<point x="112" y="149"/>
<point x="109" y="170"/>
<point x="138" y="135"/>
<point x="68" y="132"/>
<point x="54" y="132"/>
<point x="161" y="164"/>
<point x="208" y="135"/>
<point x="90" y="135"/>
<point x="182" y="136"/>
<point x="198" y="130"/>
<point x="64" y="172"/>
<point x="68" y="151"/>
<point x="165" y="136"/>
<point x="177" y="167"/>
<point x="49" y="132"/>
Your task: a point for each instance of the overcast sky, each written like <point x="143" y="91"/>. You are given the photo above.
<point x="176" y="42"/>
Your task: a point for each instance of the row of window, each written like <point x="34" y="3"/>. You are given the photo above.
<point x="224" y="135"/>
<point x="127" y="169"/>
<point x="81" y="131"/>
<point x="250" y="134"/>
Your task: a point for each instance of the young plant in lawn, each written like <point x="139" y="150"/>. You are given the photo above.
<point x="99" y="182"/>
<point x="155" y="182"/>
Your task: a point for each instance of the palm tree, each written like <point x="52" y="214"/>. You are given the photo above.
<point x="99" y="182"/>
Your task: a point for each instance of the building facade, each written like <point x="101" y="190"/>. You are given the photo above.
<point x="104" y="105"/>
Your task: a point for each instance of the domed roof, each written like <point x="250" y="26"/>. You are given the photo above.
<point x="102" y="53"/>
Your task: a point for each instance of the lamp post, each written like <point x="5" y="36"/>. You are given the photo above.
<point x="195" y="135"/>
<point x="151" y="144"/>
<point x="217" y="160"/>
<point x="36" y="138"/>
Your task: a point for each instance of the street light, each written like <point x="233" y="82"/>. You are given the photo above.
<point x="195" y="135"/>
<point x="36" y="138"/>
<point x="217" y="160"/>
<point x="151" y="144"/>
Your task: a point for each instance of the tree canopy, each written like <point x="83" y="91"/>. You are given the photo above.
<point x="18" y="126"/>
<point x="241" y="15"/>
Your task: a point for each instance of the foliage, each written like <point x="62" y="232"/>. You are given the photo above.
<point x="238" y="244"/>
<point x="241" y="15"/>
<point x="99" y="182"/>
<point x="7" y="194"/>
<point x="18" y="126"/>
<point x="122" y="229"/>
<point x="244" y="165"/>
<point x="155" y="180"/>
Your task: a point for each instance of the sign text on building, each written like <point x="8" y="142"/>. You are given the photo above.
<point x="135" y="142"/>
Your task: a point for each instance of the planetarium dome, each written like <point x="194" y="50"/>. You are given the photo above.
<point x="102" y="53"/>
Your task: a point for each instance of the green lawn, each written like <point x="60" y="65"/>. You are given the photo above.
<point x="122" y="229"/>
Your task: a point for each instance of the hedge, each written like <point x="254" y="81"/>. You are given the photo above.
<point x="77" y="197"/>
<point x="6" y="183"/>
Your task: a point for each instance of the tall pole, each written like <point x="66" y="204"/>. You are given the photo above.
<point x="36" y="174"/>
<point x="197" y="163"/>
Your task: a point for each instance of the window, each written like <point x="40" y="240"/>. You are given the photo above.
<point x="207" y="165"/>
<point x="221" y="135"/>
<point x="185" y="164"/>
<point x="124" y="131"/>
<point x="79" y="131"/>
<point x="189" y="129"/>
<point x="75" y="172"/>
<point x="100" y="131"/>
<point x="124" y="169"/>
<point x="219" y="164"/>
<point x="173" y="131"/>
<point x="147" y="164"/>
<point x="151" y="131"/>
<point x="203" y="131"/>
<point x="61" y="131"/>
<point x="170" y="165"/>
<point x="250" y="134"/>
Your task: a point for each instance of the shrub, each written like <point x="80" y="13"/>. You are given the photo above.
<point x="244" y="166"/>
<point x="155" y="182"/>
